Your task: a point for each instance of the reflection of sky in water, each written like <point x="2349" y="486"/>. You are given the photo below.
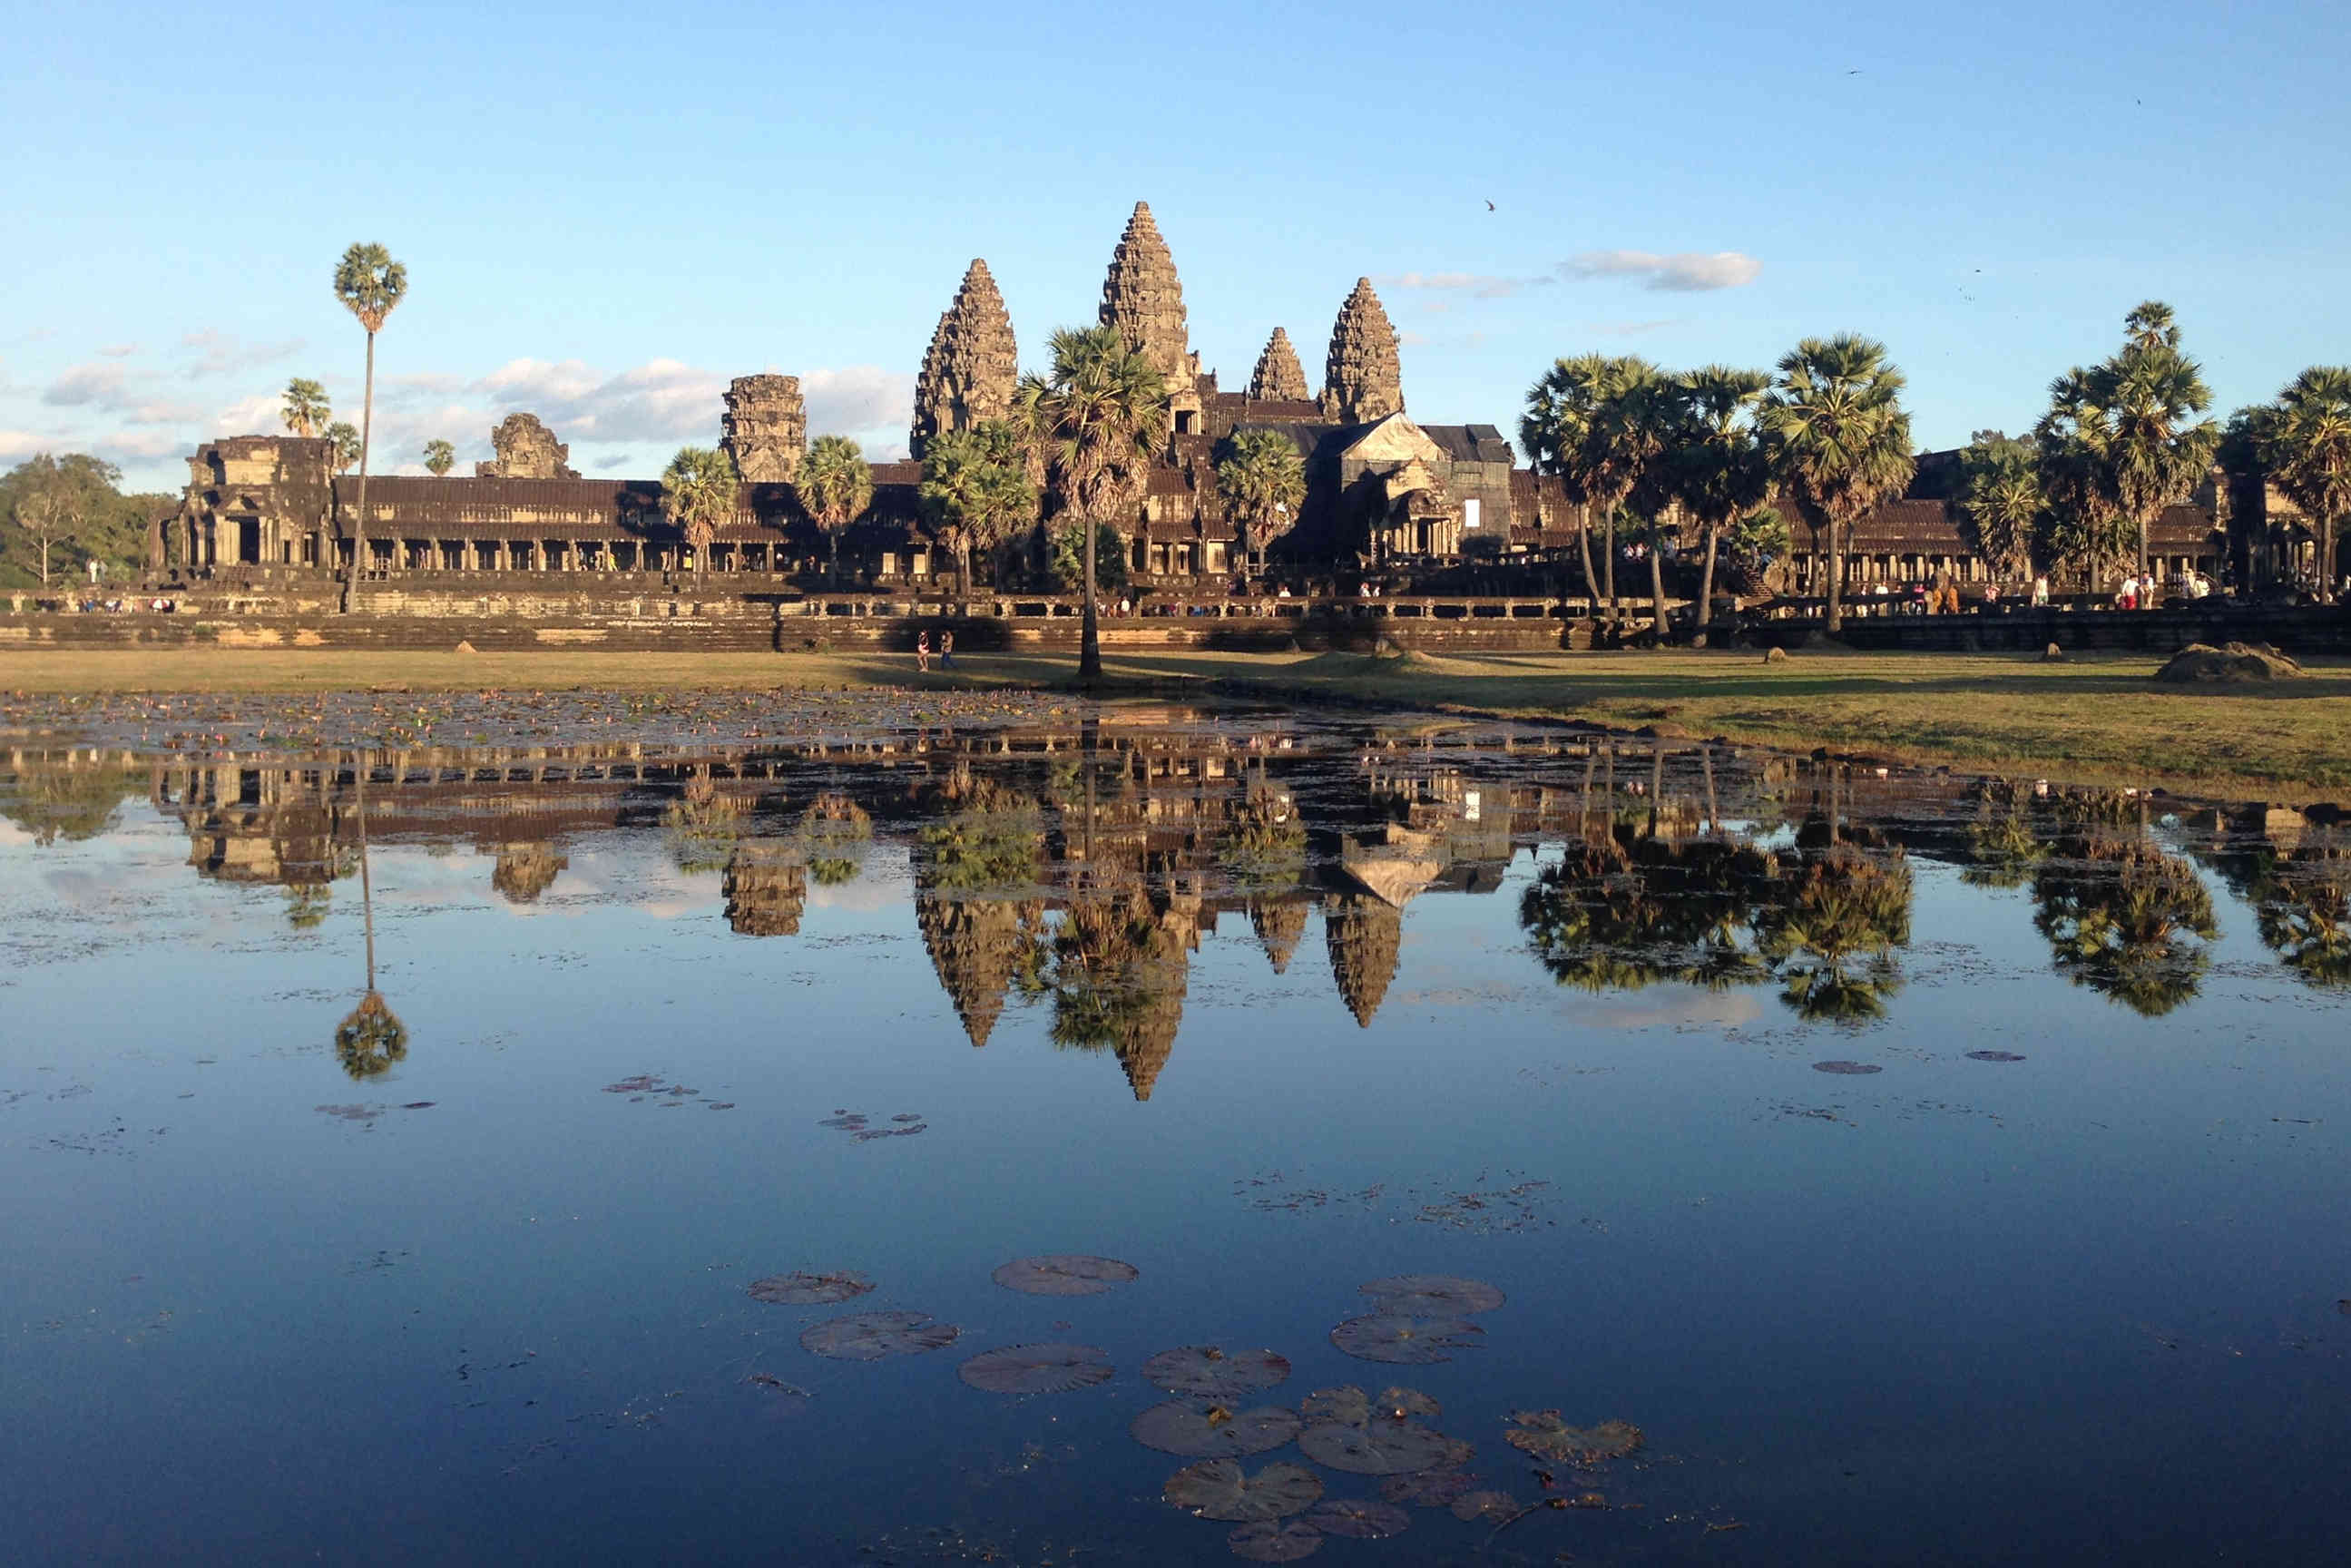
<point x="2077" y="1306"/>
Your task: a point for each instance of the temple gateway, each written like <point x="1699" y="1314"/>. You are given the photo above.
<point x="1384" y="489"/>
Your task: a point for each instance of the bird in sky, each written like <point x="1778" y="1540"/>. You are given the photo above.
<point x="1489" y="207"/>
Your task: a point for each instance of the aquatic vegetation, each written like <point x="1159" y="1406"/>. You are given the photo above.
<point x="1542" y="1434"/>
<point x="1429" y="1489"/>
<point x="1348" y="1406"/>
<point x="1433" y="1295"/>
<point x="1205" y="1429"/>
<point x="870" y="1336"/>
<point x="1486" y="1507"/>
<point x="1274" y="1541"/>
<point x="1406" y="1340"/>
<point x="1384" y="1448"/>
<point x="1036" y="1369"/>
<point x="857" y="1125"/>
<point x="1847" y="1069"/>
<point x="1208" y="1371"/>
<point x="1219" y="1489"/>
<point x="801" y="1290"/>
<point x="1993" y="1056"/>
<point x="1063" y="1275"/>
<point x="1358" y="1518"/>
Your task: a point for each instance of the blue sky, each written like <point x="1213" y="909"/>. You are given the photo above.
<point x="608" y="211"/>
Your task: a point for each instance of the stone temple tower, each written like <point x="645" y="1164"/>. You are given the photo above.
<point x="1362" y="381"/>
<point x="765" y="428"/>
<point x="1143" y="297"/>
<point x="972" y="366"/>
<point x="1279" y="377"/>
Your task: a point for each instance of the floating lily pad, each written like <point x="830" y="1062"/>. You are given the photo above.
<point x="1063" y="1275"/>
<point x="802" y="1290"/>
<point x="1359" y="1519"/>
<point x="1847" y="1069"/>
<point x="1398" y="1404"/>
<point x="870" y="1336"/>
<point x="1993" y="1056"/>
<point x="1383" y="1447"/>
<point x="1433" y="1295"/>
<point x="1219" y="1489"/>
<point x="1428" y="1488"/>
<point x="1036" y="1368"/>
<point x="1204" y="1429"/>
<point x="1397" y="1338"/>
<point x="1275" y="1540"/>
<point x="1347" y="1405"/>
<point x="1542" y="1434"/>
<point x="1208" y="1371"/>
<point x="1489" y="1507"/>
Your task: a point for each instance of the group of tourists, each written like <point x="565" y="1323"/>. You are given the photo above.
<point x="923" y="650"/>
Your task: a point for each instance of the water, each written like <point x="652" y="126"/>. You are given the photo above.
<point x="475" y="1283"/>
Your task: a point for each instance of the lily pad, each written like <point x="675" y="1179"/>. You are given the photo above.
<point x="1491" y="1507"/>
<point x="1219" y="1489"/>
<point x="1208" y="1371"/>
<point x="1399" y="1404"/>
<point x="1433" y="1295"/>
<point x="1383" y="1447"/>
<point x="1275" y="1540"/>
<point x="1036" y="1368"/>
<point x="870" y="1336"/>
<point x="1428" y="1488"/>
<point x="1993" y="1056"/>
<point x="1847" y="1069"/>
<point x="1063" y="1275"/>
<point x="803" y="1289"/>
<point x="1404" y="1340"/>
<point x="1542" y="1434"/>
<point x="1359" y="1519"/>
<point x="1346" y="1405"/>
<point x="1204" y="1429"/>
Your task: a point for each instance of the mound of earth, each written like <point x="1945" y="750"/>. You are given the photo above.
<point x="2200" y="663"/>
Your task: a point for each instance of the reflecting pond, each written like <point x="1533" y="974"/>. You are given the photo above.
<point x="1146" y="1134"/>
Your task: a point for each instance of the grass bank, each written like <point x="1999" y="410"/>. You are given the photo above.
<point x="2090" y="718"/>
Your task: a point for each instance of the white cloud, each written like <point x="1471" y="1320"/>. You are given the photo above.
<point x="1477" y="285"/>
<point x="118" y="350"/>
<point x="220" y="353"/>
<point x="1681" y="273"/>
<point x="93" y="386"/>
<point x="16" y="446"/>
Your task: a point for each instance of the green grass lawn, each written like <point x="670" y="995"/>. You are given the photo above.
<point x="2092" y="718"/>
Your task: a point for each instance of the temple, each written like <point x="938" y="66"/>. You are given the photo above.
<point x="1385" y="490"/>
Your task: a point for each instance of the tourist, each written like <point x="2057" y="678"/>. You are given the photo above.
<point x="2129" y="598"/>
<point x="1283" y="592"/>
<point x="922" y="652"/>
<point x="2041" y="592"/>
<point x="946" y="649"/>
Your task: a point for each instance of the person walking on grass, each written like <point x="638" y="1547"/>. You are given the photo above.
<point x="946" y="650"/>
<point x="922" y="652"/>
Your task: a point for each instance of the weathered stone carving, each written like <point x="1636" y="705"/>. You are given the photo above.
<point x="1143" y="297"/>
<point x="765" y="428"/>
<point x="973" y="364"/>
<point x="1279" y="377"/>
<point x="526" y="449"/>
<point x="1361" y="380"/>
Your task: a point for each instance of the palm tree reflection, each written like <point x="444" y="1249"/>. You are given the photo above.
<point x="2124" y="918"/>
<point x="371" y="1038"/>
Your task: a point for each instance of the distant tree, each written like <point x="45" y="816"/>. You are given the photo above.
<point x="347" y="445"/>
<point x="70" y="503"/>
<point x="1262" y="480"/>
<point x="439" y="457"/>
<point x="698" y="493"/>
<point x="306" y="408"/>
<point x="835" y="486"/>
<point x="44" y="506"/>
<point x="369" y="284"/>
<point x="2086" y="529"/>
<point x="976" y="490"/>
<point x="1716" y="459"/>
<point x="2001" y="506"/>
<point x="2306" y="447"/>
<point x="1100" y="410"/>
<point x="1837" y="439"/>
<point x="1599" y="423"/>
<point x="1065" y="557"/>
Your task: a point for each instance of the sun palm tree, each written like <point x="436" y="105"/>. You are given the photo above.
<point x="698" y="493"/>
<point x="976" y="490"/>
<point x="1100" y="410"/>
<point x="2305" y="444"/>
<point x="1837" y="439"/>
<point x="1262" y="480"/>
<point x="439" y="457"/>
<point x="369" y="284"/>
<point x="305" y="410"/>
<point x="2002" y="505"/>
<point x="835" y="486"/>
<point x="1599" y="423"/>
<point x="1717" y="462"/>
<point x="344" y="442"/>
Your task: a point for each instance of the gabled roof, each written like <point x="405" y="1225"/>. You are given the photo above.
<point x="1470" y="443"/>
<point x="1394" y="439"/>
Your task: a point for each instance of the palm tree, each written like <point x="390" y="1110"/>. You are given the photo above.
<point x="2150" y="325"/>
<point x="370" y="1037"/>
<point x="305" y="410"/>
<point x="1598" y="423"/>
<point x="1716" y="462"/>
<point x="698" y="493"/>
<point x="835" y="486"/>
<point x="1838" y="439"/>
<point x="344" y="443"/>
<point x="1262" y="480"/>
<point x="2071" y="444"/>
<point x="439" y="457"/>
<point x="976" y="489"/>
<point x="1100" y="410"/>
<point x="2305" y="444"/>
<point x="369" y="284"/>
<point x="2003" y="505"/>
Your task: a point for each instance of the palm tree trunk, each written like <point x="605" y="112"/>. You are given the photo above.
<point x="1656" y="591"/>
<point x="1705" y="590"/>
<point x="360" y="764"/>
<point x="358" y="525"/>
<point x="1583" y="547"/>
<point x="1608" y="568"/>
<point x="44" y="560"/>
<point x="2143" y="576"/>
<point x="1089" y="632"/>
<point x="2326" y="558"/>
<point x="1836" y="575"/>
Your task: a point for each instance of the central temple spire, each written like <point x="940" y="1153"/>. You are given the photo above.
<point x="1361" y="380"/>
<point x="969" y="373"/>
<point x="1143" y="297"/>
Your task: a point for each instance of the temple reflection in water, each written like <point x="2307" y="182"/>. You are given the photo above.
<point x="1079" y="869"/>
